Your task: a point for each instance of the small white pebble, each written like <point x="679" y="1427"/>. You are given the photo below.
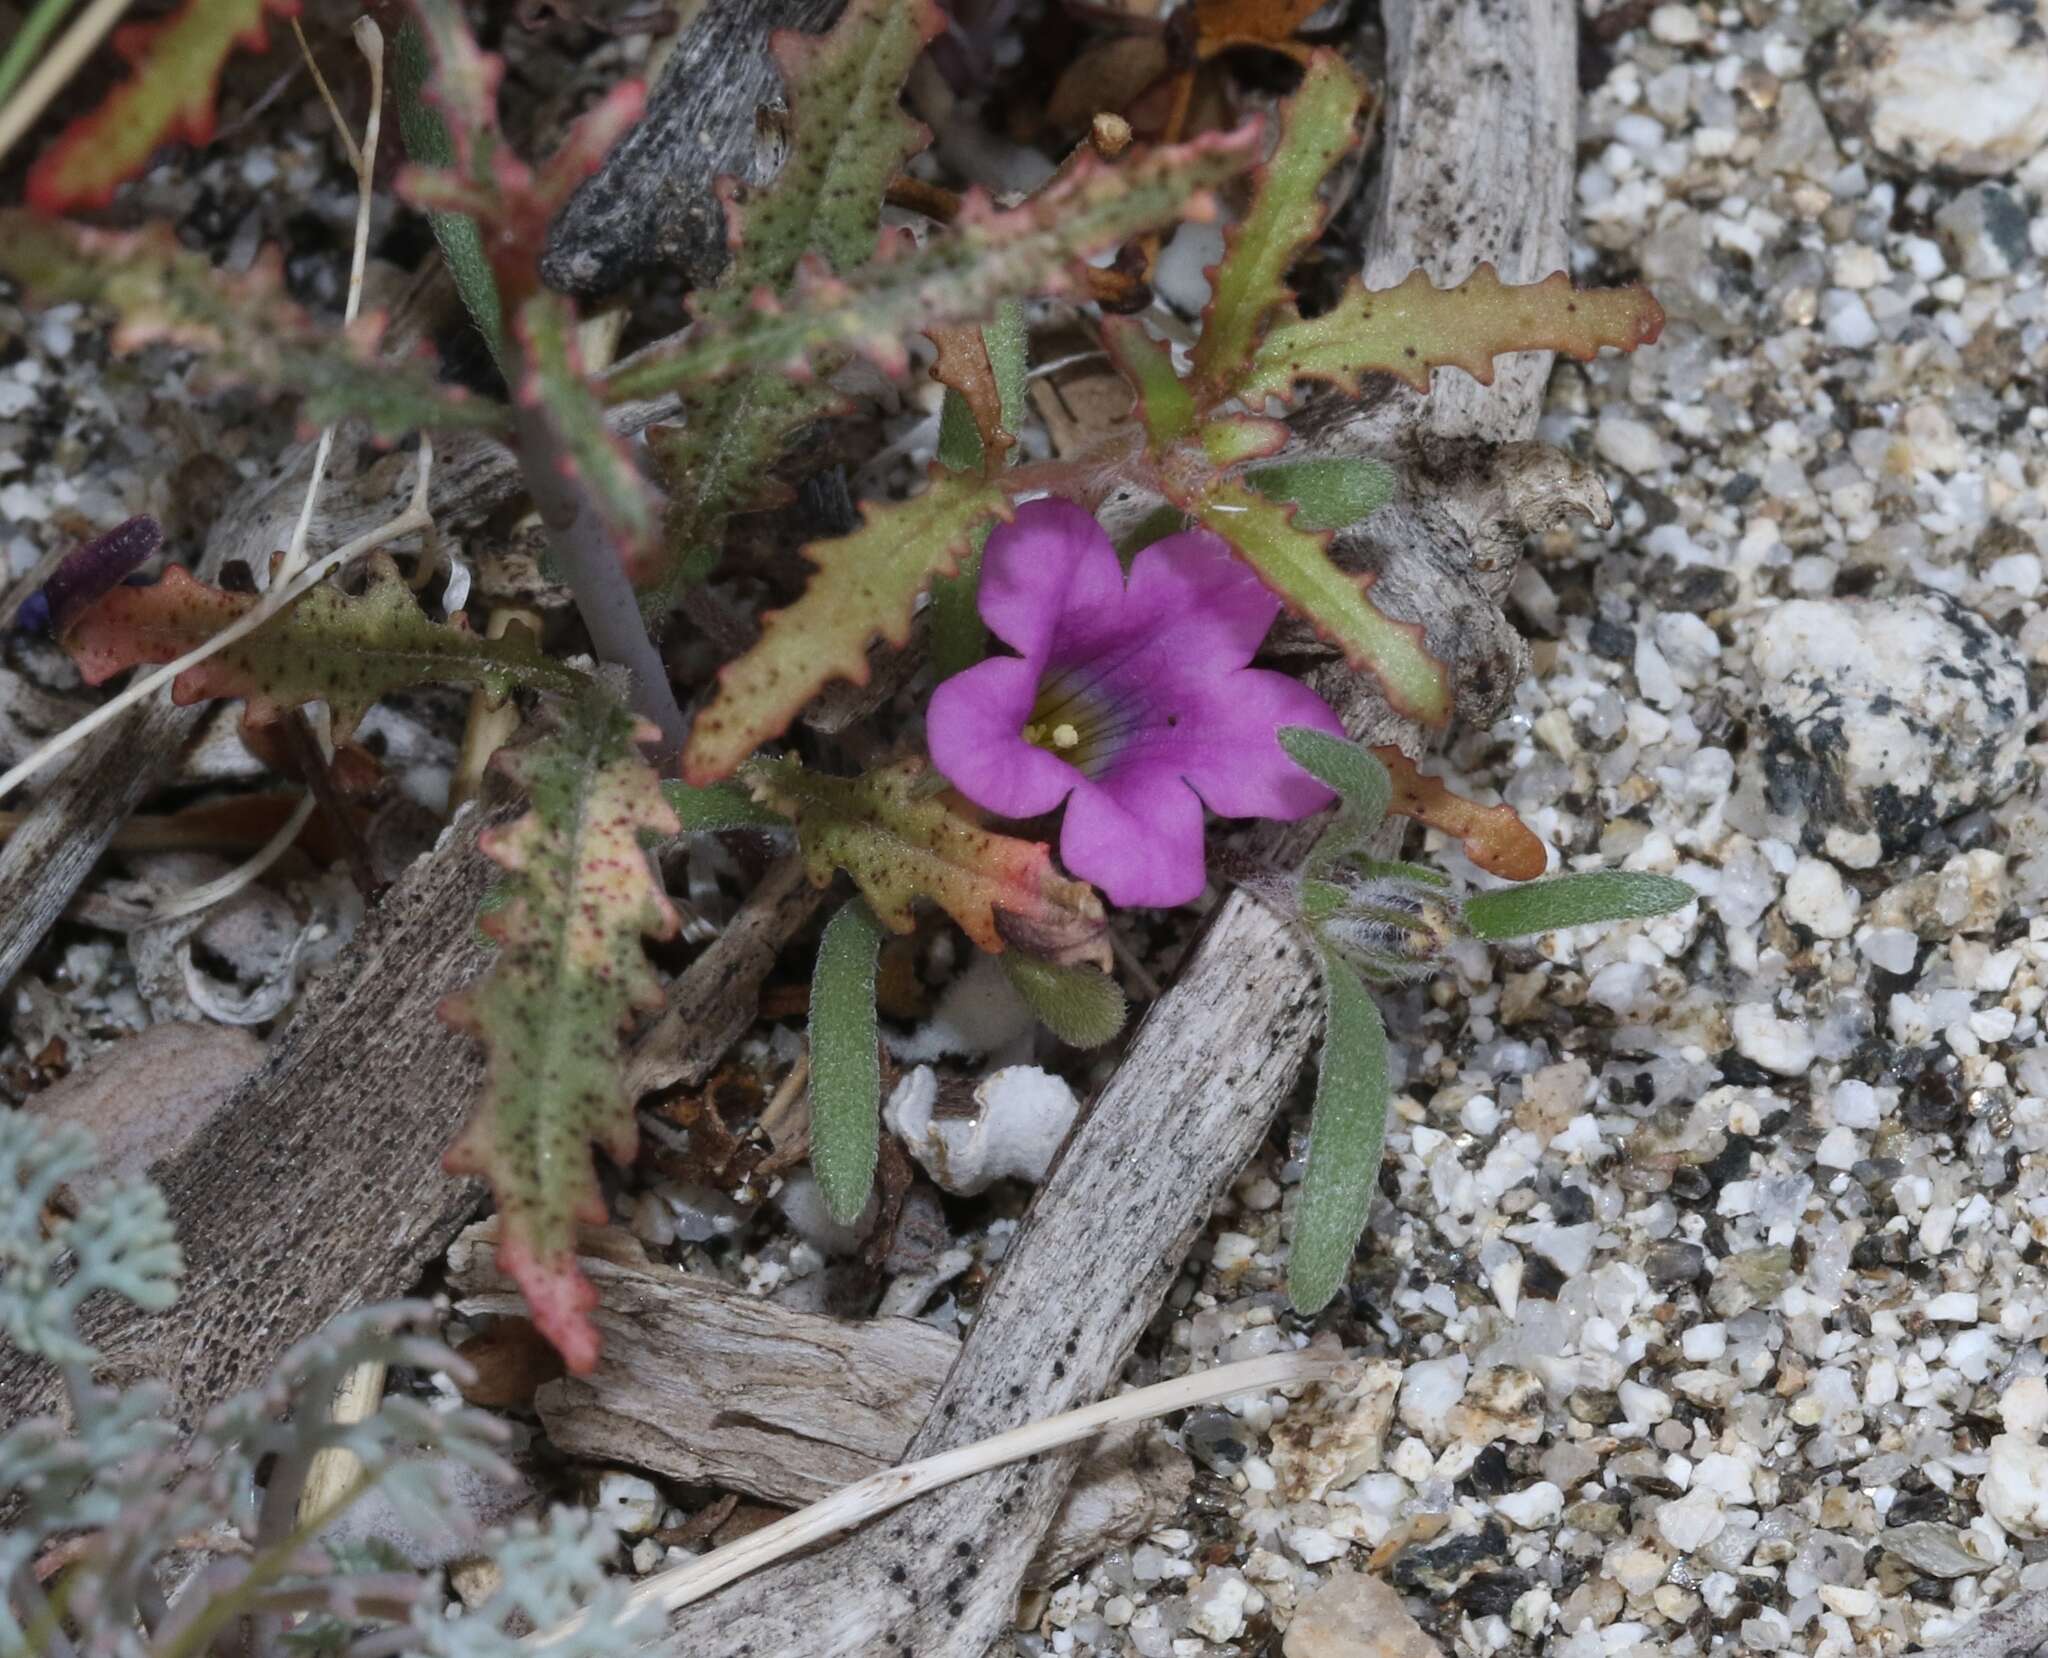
<point x="1533" y="1507"/>
<point x="1953" y="1307"/>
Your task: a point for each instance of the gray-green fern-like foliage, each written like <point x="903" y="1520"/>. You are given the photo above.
<point x="124" y="1540"/>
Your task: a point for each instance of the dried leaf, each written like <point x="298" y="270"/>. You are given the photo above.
<point x="1415" y="327"/>
<point x="1316" y="128"/>
<point x="571" y="971"/>
<point x="963" y="367"/>
<point x="1494" y="838"/>
<point x="865" y="587"/>
<point x="168" y="99"/>
<point x="1222" y="24"/>
<point x="902" y="839"/>
<point x="1295" y="563"/>
<point x="245" y="323"/>
<point x="329" y="647"/>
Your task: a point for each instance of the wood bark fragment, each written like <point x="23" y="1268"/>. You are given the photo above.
<point x="1467" y="178"/>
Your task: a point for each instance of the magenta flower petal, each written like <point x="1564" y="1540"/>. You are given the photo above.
<point x="975" y="729"/>
<point x="1138" y="836"/>
<point x="1051" y="561"/>
<point x="1193" y="589"/>
<point x="1134" y="705"/>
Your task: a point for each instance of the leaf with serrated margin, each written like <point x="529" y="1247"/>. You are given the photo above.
<point x="848" y="136"/>
<point x="988" y="254"/>
<point x="1573" y="901"/>
<point x="1316" y="128"/>
<point x="1347" y="1134"/>
<point x="865" y="588"/>
<point x="558" y="392"/>
<point x="1295" y="563"/>
<point x="717" y="462"/>
<point x="902" y="839"/>
<point x="580" y="896"/>
<point x="846" y="1064"/>
<point x="168" y="99"/>
<point x="250" y="331"/>
<point x="1494" y="837"/>
<point x="327" y="647"/>
<point x="1414" y="327"/>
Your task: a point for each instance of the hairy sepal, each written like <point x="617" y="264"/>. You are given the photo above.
<point x="247" y="327"/>
<point x="989" y="254"/>
<point x="902" y="839"/>
<point x="168" y="99"/>
<point x="1317" y="126"/>
<point x="578" y="900"/>
<point x="1295" y="563"/>
<point x="865" y="588"/>
<point x="1494" y="837"/>
<point x="1415" y="327"/>
<point x="326" y="647"/>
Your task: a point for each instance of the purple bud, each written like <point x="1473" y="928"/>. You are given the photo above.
<point x="98" y="567"/>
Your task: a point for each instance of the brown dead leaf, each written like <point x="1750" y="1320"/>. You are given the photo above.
<point x="511" y="1360"/>
<point x="1494" y="838"/>
<point x="1221" y="25"/>
<point x="1108" y="77"/>
<point x="963" y="365"/>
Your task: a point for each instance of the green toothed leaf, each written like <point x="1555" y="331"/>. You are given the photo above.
<point x="1573" y="901"/>
<point x="846" y="1065"/>
<point x="901" y="839"/>
<point x="1327" y="494"/>
<point x="571" y="971"/>
<point x="1295" y="564"/>
<point x="1347" y="1134"/>
<point x="718" y="807"/>
<point x="1364" y="789"/>
<point x="250" y="331"/>
<point x="988" y="254"/>
<point x="1082" y="1006"/>
<point x="327" y="647"/>
<point x="1316" y="128"/>
<point x="1415" y="327"/>
<point x="865" y="587"/>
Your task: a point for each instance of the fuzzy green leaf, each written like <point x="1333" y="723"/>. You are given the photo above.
<point x="1414" y="327"/>
<point x="718" y="807"/>
<point x="1083" y="1006"/>
<point x="846" y="1066"/>
<point x="988" y="255"/>
<point x="1330" y="494"/>
<point x="571" y="971"/>
<point x="1346" y="1136"/>
<point x="1295" y="564"/>
<point x="903" y="836"/>
<point x="848" y="136"/>
<point x="865" y="587"/>
<point x="168" y="99"/>
<point x="1364" y="789"/>
<point x="327" y="647"/>
<point x="1316" y="128"/>
<point x="428" y="144"/>
<point x="250" y="330"/>
<point x="1166" y="403"/>
<point x="1573" y="901"/>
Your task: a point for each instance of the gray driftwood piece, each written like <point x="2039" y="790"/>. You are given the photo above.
<point x="711" y="111"/>
<point x="1468" y="178"/>
<point x="317" y="1186"/>
<point x="2018" y="1628"/>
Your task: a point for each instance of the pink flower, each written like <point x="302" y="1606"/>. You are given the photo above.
<point x="1132" y="703"/>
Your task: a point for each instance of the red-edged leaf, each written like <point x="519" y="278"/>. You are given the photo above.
<point x="579" y="896"/>
<point x="1494" y="838"/>
<point x="168" y="98"/>
<point x="1166" y="403"/>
